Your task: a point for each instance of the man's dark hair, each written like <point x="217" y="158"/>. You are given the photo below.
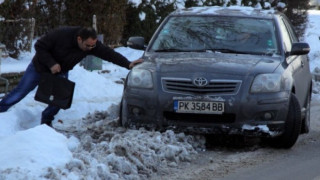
<point x="87" y="32"/>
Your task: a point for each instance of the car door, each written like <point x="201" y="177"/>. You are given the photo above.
<point x="298" y="64"/>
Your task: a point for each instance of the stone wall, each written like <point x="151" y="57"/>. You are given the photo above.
<point x="13" y="79"/>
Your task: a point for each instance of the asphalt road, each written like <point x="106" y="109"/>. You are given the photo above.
<point x="302" y="162"/>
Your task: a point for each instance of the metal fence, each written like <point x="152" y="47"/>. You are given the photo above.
<point x="6" y="81"/>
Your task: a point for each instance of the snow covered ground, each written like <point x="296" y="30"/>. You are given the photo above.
<point x="87" y="142"/>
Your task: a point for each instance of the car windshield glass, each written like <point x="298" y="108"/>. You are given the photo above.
<point x="217" y="34"/>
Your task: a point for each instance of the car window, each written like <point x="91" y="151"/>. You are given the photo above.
<point x="285" y="35"/>
<point x="211" y="33"/>
<point x="289" y="26"/>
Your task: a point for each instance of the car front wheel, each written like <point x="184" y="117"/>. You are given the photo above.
<point x="123" y="113"/>
<point x="292" y="126"/>
<point x="306" y="119"/>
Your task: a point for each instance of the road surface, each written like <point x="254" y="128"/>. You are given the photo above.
<point x="253" y="161"/>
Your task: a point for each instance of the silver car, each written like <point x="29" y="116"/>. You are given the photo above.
<point x="221" y="70"/>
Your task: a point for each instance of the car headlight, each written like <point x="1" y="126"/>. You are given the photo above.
<point x="140" y="78"/>
<point x="266" y="83"/>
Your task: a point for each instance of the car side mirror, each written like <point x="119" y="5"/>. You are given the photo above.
<point x="300" y="49"/>
<point x="136" y="42"/>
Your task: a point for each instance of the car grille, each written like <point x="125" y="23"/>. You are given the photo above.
<point x="185" y="86"/>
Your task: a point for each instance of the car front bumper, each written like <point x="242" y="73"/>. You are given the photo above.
<point x="252" y="115"/>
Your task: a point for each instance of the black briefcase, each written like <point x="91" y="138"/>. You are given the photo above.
<point x="55" y="90"/>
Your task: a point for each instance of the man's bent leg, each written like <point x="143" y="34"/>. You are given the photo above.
<point x="28" y="82"/>
<point x="48" y="115"/>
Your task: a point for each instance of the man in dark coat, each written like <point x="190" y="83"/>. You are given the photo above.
<point x="57" y="53"/>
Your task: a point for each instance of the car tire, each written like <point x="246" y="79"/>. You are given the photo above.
<point x="292" y="126"/>
<point x="123" y="120"/>
<point x="306" y="120"/>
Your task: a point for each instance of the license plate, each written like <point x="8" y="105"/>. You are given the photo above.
<point x="203" y="107"/>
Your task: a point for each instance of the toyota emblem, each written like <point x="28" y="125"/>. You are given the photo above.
<point x="200" y="81"/>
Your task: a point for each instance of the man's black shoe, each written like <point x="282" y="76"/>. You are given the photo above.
<point x="47" y="123"/>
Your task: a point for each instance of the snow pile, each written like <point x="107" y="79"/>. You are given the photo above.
<point x="101" y="149"/>
<point x="55" y="153"/>
<point x="104" y="150"/>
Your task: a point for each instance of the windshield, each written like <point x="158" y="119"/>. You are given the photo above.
<point x="217" y="34"/>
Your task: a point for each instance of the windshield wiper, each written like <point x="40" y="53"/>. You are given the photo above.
<point x="180" y="50"/>
<point x="221" y="50"/>
<point x="225" y="50"/>
<point x="170" y="50"/>
<point x="270" y="52"/>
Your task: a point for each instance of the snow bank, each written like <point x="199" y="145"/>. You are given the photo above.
<point x="106" y="150"/>
<point x="30" y="155"/>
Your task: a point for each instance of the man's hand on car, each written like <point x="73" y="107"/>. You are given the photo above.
<point x="133" y="63"/>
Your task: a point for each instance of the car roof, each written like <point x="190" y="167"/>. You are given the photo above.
<point x="226" y="11"/>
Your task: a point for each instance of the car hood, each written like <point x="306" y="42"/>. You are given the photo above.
<point x="235" y="64"/>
